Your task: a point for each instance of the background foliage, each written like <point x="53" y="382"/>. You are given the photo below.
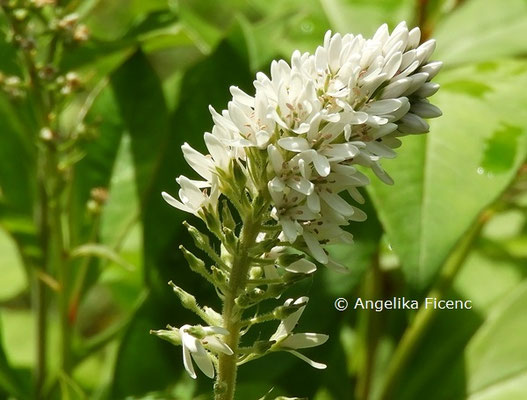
<point x="454" y="223"/>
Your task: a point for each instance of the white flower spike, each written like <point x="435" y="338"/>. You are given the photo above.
<point x="347" y="104"/>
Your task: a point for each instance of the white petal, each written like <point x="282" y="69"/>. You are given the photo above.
<point x="304" y="340"/>
<point x="262" y="138"/>
<point x="396" y="89"/>
<point x="426" y="110"/>
<point x="427" y="89"/>
<point x="187" y="362"/>
<point x="356" y="195"/>
<point x="315" y="248"/>
<point x="381" y="107"/>
<point x="392" y="65"/>
<point x="290" y="229"/>
<point x="301" y="184"/>
<point x="301" y="266"/>
<point x="276" y="185"/>
<point x="241" y="97"/>
<point x="203" y="361"/>
<point x="418" y="80"/>
<point x="217" y="150"/>
<point x="215" y="330"/>
<point x="340" y="152"/>
<point x="314" y="364"/>
<point x="382" y="174"/>
<point x="432" y="68"/>
<point x="189" y="193"/>
<point x="218" y="346"/>
<point x="288" y="324"/>
<point x="321" y="164"/>
<point x="199" y="163"/>
<point x="414" y="36"/>
<point x="412" y="123"/>
<point x="276" y="158"/>
<point x="337" y="203"/>
<point x="313" y="202"/>
<point x="303" y="128"/>
<point x="295" y="144"/>
<point x="425" y="50"/>
<point x="381" y="150"/>
<point x="176" y="203"/>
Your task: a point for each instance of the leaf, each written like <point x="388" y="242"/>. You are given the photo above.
<point x="482" y="30"/>
<point x="440" y="183"/>
<point x="142" y="106"/>
<point x="467" y="350"/>
<point x="16" y="184"/>
<point x="364" y="17"/>
<point x="95" y="169"/>
<point x="10" y="268"/>
<point x="156" y="138"/>
<point x="495" y="357"/>
<point x="9" y="380"/>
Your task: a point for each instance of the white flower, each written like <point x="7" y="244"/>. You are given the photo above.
<point x="192" y="195"/>
<point x="288" y="341"/>
<point x="194" y="347"/>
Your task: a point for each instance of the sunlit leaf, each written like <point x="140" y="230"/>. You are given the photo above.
<point x="482" y="30"/>
<point x="445" y="178"/>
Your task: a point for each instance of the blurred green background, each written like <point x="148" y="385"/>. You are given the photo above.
<point x="459" y="203"/>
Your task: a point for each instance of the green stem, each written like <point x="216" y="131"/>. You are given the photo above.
<point x="227" y="368"/>
<point x="370" y="331"/>
<point x="63" y="295"/>
<point x="425" y="316"/>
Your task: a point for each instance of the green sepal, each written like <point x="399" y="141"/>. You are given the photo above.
<point x="227" y="217"/>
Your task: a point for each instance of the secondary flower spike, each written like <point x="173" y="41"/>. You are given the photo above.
<point x="310" y="124"/>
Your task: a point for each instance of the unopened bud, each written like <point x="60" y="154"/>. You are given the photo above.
<point x="187" y="300"/>
<point x="255" y="272"/>
<point x="195" y="264"/>
<point x="200" y="240"/>
<point x="68" y="22"/>
<point x="238" y="173"/>
<point x="226" y="216"/>
<point x="81" y="33"/>
<point x="46" y="134"/>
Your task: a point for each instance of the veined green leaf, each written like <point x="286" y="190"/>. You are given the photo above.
<point x="441" y="180"/>
<point x="482" y="30"/>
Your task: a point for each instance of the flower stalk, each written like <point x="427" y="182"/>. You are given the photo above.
<point x="287" y="160"/>
<point x="232" y="315"/>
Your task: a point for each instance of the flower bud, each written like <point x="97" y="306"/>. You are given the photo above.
<point x="226" y="216"/>
<point x="195" y="263"/>
<point x="200" y="240"/>
<point x="255" y="273"/>
<point x="187" y="300"/>
<point x="231" y="241"/>
<point x="173" y="336"/>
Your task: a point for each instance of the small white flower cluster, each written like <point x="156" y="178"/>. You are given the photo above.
<point x="316" y="119"/>
<point x="200" y="343"/>
<point x="203" y="344"/>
